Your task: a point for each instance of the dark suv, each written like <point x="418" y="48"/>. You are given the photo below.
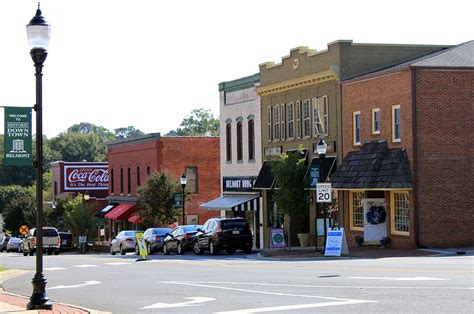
<point x="223" y="233"/>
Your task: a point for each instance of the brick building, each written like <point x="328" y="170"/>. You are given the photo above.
<point x="408" y="142"/>
<point x="131" y="160"/>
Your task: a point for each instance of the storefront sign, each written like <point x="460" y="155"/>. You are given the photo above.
<point x="238" y="184"/>
<point x="17" y="141"/>
<point x="336" y="243"/>
<point x="86" y="177"/>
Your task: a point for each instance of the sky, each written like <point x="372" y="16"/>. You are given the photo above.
<point x="149" y="63"/>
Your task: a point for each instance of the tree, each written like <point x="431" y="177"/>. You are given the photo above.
<point x="155" y="200"/>
<point x="290" y="194"/>
<point x="129" y="131"/>
<point x="79" y="146"/>
<point x="199" y="122"/>
<point x="90" y="128"/>
<point x="78" y="216"/>
<point x="17" y="205"/>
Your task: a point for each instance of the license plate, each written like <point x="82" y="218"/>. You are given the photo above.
<point x="235" y="231"/>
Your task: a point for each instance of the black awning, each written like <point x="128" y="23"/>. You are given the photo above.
<point x="101" y="213"/>
<point x="233" y="202"/>
<point x="313" y="173"/>
<point x="265" y="179"/>
<point x="374" y="166"/>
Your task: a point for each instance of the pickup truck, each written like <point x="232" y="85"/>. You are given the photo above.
<point x="51" y="241"/>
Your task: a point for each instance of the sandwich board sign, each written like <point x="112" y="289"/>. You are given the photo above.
<point x="336" y="243"/>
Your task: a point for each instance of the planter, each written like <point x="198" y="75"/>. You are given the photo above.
<point x="304" y="239"/>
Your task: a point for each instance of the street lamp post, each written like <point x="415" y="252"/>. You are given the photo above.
<point x="184" y="180"/>
<point x="321" y="149"/>
<point x="38" y="32"/>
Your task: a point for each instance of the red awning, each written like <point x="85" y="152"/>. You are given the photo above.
<point x="121" y="212"/>
<point x="135" y="218"/>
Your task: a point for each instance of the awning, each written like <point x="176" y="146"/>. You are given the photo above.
<point x="101" y="213"/>
<point x="265" y="179"/>
<point x="135" y="218"/>
<point x="374" y="166"/>
<point x="121" y="212"/>
<point x="312" y="175"/>
<point x="234" y="202"/>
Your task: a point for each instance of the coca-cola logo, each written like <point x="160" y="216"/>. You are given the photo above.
<point x="86" y="177"/>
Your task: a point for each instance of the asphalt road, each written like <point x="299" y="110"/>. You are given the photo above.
<point x="246" y="284"/>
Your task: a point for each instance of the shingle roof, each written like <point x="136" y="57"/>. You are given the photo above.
<point x="374" y="166"/>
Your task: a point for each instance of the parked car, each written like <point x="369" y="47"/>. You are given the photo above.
<point x="13" y="244"/>
<point x="180" y="239"/>
<point x="3" y="243"/>
<point x="66" y="241"/>
<point x="154" y="237"/>
<point x="223" y="233"/>
<point x="51" y="241"/>
<point x="124" y="242"/>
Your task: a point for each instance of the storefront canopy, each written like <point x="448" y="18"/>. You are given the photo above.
<point x="101" y="213"/>
<point x="121" y="212"/>
<point x="135" y="218"/>
<point x="234" y="202"/>
<point x="265" y="179"/>
<point x="374" y="166"/>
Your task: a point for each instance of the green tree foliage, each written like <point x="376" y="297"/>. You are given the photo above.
<point x="78" y="216"/>
<point x="199" y="122"/>
<point x="90" y="128"/>
<point x="129" y="131"/>
<point x="75" y="146"/>
<point x="155" y="200"/>
<point x="17" y="205"/>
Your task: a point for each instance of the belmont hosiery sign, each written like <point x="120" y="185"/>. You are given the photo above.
<point x="86" y="177"/>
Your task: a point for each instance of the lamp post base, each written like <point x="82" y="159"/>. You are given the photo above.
<point x="39" y="300"/>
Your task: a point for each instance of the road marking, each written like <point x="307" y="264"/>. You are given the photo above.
<point x="85" y="266"/>
<point x="399" y="278"/>
<point x="194" y="301"/>
<point x="54" y="268"/>
<point x="87" y="283"/>
<point x="118" y="263"/>
<point x="294" y="307"/>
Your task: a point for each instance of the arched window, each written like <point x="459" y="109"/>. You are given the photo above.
<point x="251" y="144"/>
<point x="228" y="141"/>
<point x="138" y="176"/>
<point x="129" y="181"/>
<point x="239" y="141"/>
<point x="148" y="170"/>
<point x="112" y="181"/>
<point x="121" y="180"/>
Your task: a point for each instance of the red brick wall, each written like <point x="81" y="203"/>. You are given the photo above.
<point x="445" y="145"/>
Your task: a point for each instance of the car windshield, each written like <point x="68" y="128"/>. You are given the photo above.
<point x="234" y="224"/>
<point x="191" y="228"/>
<point x="161" y="230"/>
<point x="129" y="233"/>
<point x="48" y="233"/>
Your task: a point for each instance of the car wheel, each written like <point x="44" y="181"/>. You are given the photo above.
<point x="122" y="252"/>
<point x="197" y="250"/>
<point x="25" y="253"/>
<point x="165" y="249"/>
<point x="56" y="252"/>
<point x="230" y="251"/>
<point x="179" y="249"/>
<point x="31" y="252"/>
<point x="112" y="252"/>
<point x="212" y="248"/>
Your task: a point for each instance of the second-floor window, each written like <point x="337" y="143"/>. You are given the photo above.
<point x="356" y="127"/>
<point x="282" y="121"/>
<point x="269" y="123"/>
<point x="298" y="119"/>
<point x="121" y="180"/>
<point x="112" y="184"/>
<point x="290" y="129"/>
<point x="239" y="141"/>
<point x="306" y="119"/>
<point x="129" y="181"/>
<point x="138" y="176"/>
<point x="396" y="124"/>
<point x="251" y="129"/>
<point x="320" y="116"/>
<point x="276" y="123"/>
<point x="376" y="121"/>
<point x="228" y="142"/>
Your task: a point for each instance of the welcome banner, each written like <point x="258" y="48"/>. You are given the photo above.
<point x="17" y="140"/>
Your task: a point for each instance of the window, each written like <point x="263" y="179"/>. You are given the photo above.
<point x="356" y="127"/>
<point x="306" y="119"/>
<point x="320" y="116"/>
<point x="276" y="123"/>
<point x="148" y="170"/>
<point x="269" y="122"/>
<point x="290" y="129"/>
<point x="112" y="185"/>
<point x="282" y="118"/>
<point x="298" y="119"/>
<point x="396" y="126"/>
<point x="192" y="179"/>
<point x="228" y="141"/>
<point x="251" y="127"/>
<point x="399" y="213"/>
<point x="121" y="180"/>
<point x="129" y="181"/>
<point x="376" y="121"/>
<point x="356" y="210"/>
<point x="239" y="141"/>
<point x="138" y="176"/>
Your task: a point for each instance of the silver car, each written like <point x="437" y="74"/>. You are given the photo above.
<point x="13" y="245"/>
<point x="124" y="242"/>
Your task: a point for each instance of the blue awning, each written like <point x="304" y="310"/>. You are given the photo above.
<point x="234" y="202"/>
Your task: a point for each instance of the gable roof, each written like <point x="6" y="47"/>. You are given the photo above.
<point x="374" y="166"/>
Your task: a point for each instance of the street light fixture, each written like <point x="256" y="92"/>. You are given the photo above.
<point x="39" y="32"/>
<point x="183" y="180"/>
<point x="321" y="148"/>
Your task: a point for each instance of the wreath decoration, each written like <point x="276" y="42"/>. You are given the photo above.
<point x="376" y="215"/>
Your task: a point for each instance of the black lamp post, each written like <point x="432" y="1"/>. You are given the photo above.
<point x="38" y="32"/>
<point x="184" y="180"/>
<point x="321" y="149"/>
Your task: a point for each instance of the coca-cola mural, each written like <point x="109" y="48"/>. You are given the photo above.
<point x="86" y="177"/>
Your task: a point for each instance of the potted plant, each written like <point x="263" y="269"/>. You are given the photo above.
<point x="359" y="240"/>
<point x="385" y="241"/>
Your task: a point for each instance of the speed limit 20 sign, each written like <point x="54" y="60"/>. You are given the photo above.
<point x="323" y="193"/>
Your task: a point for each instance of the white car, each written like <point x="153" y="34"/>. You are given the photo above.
<point x="124" y="242"/>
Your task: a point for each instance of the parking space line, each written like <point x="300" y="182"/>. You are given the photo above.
<point x="54" y="268"/>
<point x="85" y="266"/>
